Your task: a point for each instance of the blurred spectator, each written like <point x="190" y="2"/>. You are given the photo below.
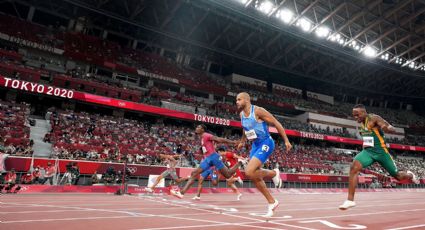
<point x="95" y="178"/>
<point x="10" y="182"/>
<point x="109" y="176"/>
<point x="50" y="173"/>
<point x="75" y="173"/>
<point x="37" y="177"/>
<point x="27" y="178"/>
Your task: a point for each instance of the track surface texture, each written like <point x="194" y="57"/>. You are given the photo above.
<point x="375" y="210"/>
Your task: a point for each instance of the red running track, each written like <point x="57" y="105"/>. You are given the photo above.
<point x="377" y="210"/>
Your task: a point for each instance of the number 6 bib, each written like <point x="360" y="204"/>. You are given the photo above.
<point x="250" y="135"/>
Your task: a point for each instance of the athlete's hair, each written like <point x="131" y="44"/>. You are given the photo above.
<point x="221" y="149"/>
<point x="204" y="127"/>
<point x="359" y="106"/>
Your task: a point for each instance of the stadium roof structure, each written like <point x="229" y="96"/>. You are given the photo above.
<point x="327" y="41"/>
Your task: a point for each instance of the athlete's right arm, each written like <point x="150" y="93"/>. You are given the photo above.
<point x="383" y="124"/>
<point x="242" y="141"/>
<point x="164" y="156"/>
<point x="172" y="159"/>
<point x="176" y="156"/>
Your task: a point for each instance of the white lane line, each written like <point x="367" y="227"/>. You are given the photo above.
<point x="133" y="214"/>
<point x="354" y="214"/>
<point x="408" y="227"/>
<point x="190" y="226"/>
<point x="46" y="211"/>
<point x="227" y="214"/>
<point x="118" y="204"/>
<point x="67" y="219"/>
<point x="246" y="224"/>
<point x="336" y="207"/>
<point x="79" y="208"/>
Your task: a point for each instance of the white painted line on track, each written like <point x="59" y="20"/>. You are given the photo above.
<point x="336" y="207"/>
<point x="68" y="219"/>
<point x="408" y="227"/>
<point x="354" y="214"/>
<point x="165" y="201"/>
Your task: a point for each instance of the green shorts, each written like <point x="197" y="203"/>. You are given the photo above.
<point x="368" y="156"/>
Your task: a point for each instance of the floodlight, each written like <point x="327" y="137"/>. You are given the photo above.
<point x="322" y="31"/>
<point x="285" y="15"/>
<point x="266" y="7"/>
<point x="369" y="51"/>
<point x="304" y="24"/>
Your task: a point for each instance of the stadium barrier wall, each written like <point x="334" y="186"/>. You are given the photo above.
<point x="23" y="164"/>
<point x="27" y="189"/>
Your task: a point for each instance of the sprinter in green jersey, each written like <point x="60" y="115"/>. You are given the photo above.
<point x="374" y="150"/>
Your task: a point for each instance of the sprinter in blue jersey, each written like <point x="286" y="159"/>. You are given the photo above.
<point x="255" y="123"/>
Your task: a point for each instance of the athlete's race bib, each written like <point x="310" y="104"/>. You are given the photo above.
<point x="250" y="135"/>
<point x="368" y="142"/>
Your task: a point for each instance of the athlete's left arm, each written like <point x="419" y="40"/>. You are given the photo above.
<point x="267" y="117"/>
<point x="176" y="156"/>
<point x="237" y="156"/>
<point x="383" y="124"/>
<point x="172" y="159"/>
<point x="168" y="157"/>
<point x="223" y="140"/>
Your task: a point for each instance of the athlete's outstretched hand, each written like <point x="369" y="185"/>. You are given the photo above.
<point x="240" y="145"/>
<point x="288" y="145"/>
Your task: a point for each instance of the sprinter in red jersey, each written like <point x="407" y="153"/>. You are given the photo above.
<point x="211" y="158"/>
<point x="231" y="159"/>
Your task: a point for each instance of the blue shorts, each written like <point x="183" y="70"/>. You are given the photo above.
<point x="208" y="172"/>
<point x="212" y="160"/>
<point x="262" y="149"/>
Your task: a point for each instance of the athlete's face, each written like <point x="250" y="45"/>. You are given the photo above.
<point x="359" y="114"/>
<point x="240" y="102"/>
<point x="199" y="129"/>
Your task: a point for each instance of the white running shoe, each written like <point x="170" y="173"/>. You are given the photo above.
<point x="150" y="190"/>
<point x="243" y="161"/>
<point x="196" y="198"/>
<point x="347" y="204"/>
<point x="272" y="208"/>
<point x="414" y="178"/>
<point x="280" y="183"/>
<point x="176" y="193"/>
<point x="239" y="196"/>
<point x="276" y="179"/>
<point x="239" y="180"/>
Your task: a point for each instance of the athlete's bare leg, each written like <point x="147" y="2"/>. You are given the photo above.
<point x="195" y="173"/>
<point x="227" y="173"/>
<point x="200" y="181"/>
<point x="402" y="175"/>
<point x="181" y="179"/>
<point x="355" y="169"/>
<point x="231" y="184"/>
<point x="256" y="174"/>
<point x="158" y="179"/>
